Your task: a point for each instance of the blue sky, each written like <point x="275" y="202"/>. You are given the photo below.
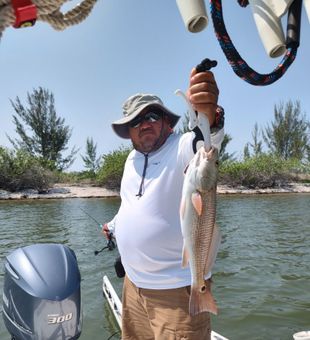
<point x="129" y="46"/>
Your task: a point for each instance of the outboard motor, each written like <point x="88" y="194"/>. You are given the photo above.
<point x="41" y="294"/>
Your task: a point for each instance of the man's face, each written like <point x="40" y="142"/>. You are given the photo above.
<point x="149" y="130"/>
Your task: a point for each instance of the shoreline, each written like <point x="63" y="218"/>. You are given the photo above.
<point x="62" y="191"/>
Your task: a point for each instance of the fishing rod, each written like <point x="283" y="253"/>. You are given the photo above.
<point x="118" y="266"/>
<point x="110" y="243"/>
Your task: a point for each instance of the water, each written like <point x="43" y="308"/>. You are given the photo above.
<point x="262" y="273"/>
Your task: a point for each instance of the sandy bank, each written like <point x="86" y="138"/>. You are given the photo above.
<point x="83" y="191"/>
<point x="61" y="191"/>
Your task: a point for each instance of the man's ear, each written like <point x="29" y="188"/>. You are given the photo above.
<point x="166" y="119"/>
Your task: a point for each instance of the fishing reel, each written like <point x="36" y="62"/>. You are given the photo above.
<point x="118" y="266"/>
<point x="110" y="245"/>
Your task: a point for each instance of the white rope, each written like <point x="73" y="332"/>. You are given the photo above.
<point x="48" y="11"/>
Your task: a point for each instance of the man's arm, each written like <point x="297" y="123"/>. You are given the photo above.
<point x="203" y="95"/>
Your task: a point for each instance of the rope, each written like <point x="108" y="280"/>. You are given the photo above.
<point x="239" y="66"/>
<point x="48" y="11"/>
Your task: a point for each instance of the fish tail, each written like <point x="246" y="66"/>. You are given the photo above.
<point x="201" y="302"/>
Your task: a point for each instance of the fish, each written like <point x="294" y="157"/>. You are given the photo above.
<point x="201" y="234"/>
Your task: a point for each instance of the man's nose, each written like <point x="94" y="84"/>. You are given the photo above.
<point x="145" y="124"/>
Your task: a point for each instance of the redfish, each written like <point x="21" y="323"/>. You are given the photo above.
<point x="201" y="234"/>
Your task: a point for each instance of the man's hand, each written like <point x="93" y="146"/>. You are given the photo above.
<point x="106" y="232"/>
<point x="203" y="93"/>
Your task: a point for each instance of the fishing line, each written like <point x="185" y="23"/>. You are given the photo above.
<point x="110" y="243"/>
<point x="99" y="224"/>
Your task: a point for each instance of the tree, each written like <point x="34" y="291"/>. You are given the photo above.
<point x="184" y="122"/>
<point x="42" y="133"/>
<point x="246" y="151"/>
<point x="91" y="162"/>
<point x="288" y="136"/>
<point x="256" y="145"/>
<point x="224" y="155"/>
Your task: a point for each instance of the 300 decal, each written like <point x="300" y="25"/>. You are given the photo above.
<point x="56" y="318"/>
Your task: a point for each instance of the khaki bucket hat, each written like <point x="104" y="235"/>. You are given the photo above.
<point x="134" y="105"/>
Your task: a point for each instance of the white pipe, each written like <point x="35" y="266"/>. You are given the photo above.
<point x="267" y="15"/>
<point x="307" y="8"/>
<point x="194" y="14"/>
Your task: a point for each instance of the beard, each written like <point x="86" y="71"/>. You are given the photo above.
<point x="149" y="143"/>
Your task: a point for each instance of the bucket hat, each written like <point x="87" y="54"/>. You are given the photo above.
<point x="134" y="105"/>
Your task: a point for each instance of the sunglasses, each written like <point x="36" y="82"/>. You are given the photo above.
<point x="150" y="117"/>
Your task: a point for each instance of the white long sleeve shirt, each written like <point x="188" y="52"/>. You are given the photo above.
<point x="147" y="228"/>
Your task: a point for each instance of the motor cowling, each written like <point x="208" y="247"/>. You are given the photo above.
<point x="42" y="294"/>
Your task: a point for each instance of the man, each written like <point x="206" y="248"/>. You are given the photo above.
<point x="147" y="226"/>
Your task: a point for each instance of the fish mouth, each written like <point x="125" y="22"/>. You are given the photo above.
<point x="211" y="153"/>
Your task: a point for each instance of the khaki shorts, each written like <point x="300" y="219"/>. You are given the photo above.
<point x="150" y="314"/>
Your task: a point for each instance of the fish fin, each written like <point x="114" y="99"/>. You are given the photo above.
<point x="197" y="202"/>
<point x="213" y="250"/>
<point x="185" y="257"/>
<point x="202" y="301"/>
<point x="182" y="208"/>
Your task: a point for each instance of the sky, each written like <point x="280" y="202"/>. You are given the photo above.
<point x="129" y="46"/>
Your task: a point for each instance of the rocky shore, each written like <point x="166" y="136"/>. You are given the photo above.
<point x="85" y="191"/>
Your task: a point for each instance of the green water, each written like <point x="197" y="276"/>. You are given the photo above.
<point x="261" y="277"/>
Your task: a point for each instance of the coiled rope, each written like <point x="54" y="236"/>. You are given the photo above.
<point x="48" y="11"/>
<point x="239" y="66"/>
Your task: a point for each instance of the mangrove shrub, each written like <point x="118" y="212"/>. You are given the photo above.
<point x="261" y="171"/>
<point x="111" y="171"/>
<point x="19" y="171"/>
